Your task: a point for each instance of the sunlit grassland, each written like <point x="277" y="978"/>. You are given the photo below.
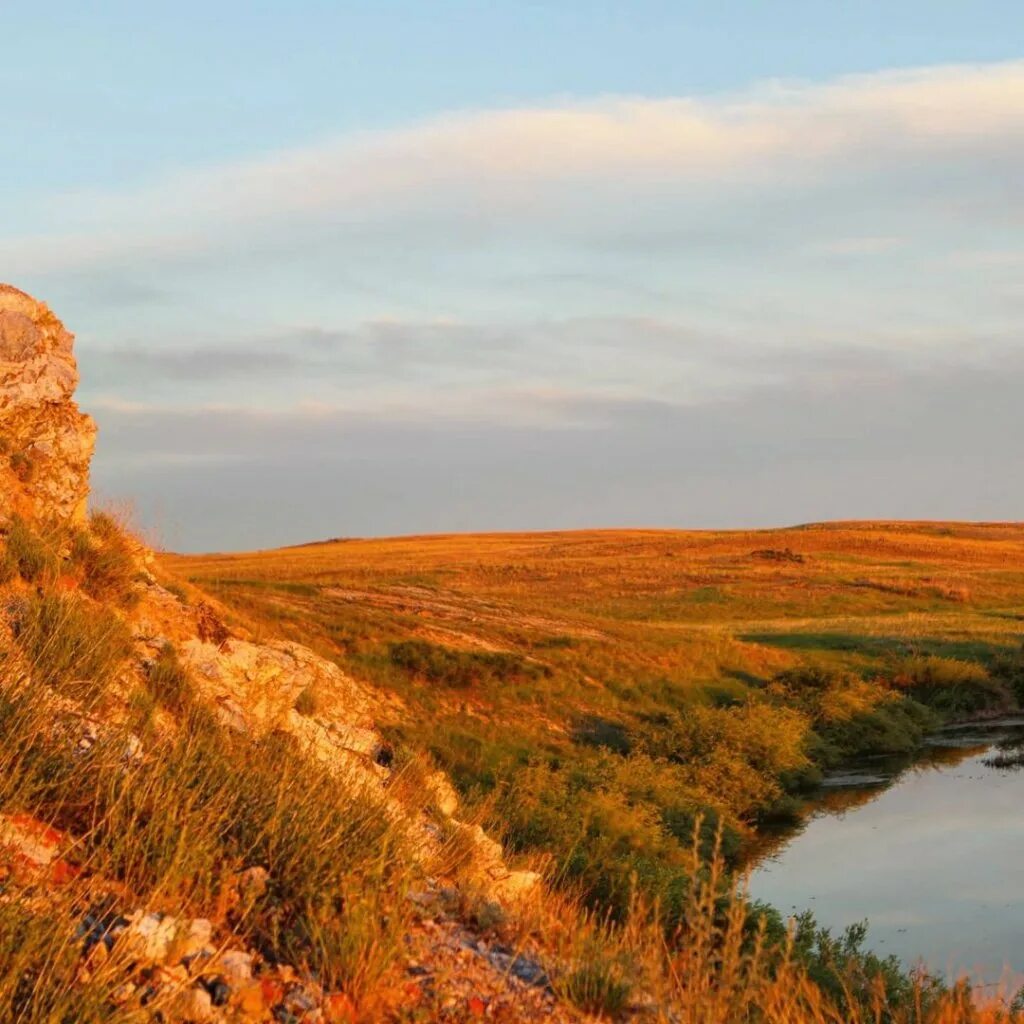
<point x="627" y="709"/>
<point x="625" y="622"/>
<point x="648" y="608"/>
<point x="598" y="691"/>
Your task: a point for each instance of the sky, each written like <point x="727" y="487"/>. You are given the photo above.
<point x="341" y="269"/>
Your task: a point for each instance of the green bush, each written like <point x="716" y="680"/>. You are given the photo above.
<point x="1008" y="668"/>
<point x="951" y="686"/>
<point x="891" y="727"/>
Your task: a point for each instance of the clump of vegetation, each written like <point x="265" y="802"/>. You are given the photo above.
<point x="28" y="554"/>
<point x="105" y="559"/>
<point x="168" y="681"/>
<point x="952" y="686"/>
<point x="595" y="731"/>
<point x="70" y="645"/>
<point x="601" y="977"/>
<point x="1008" y="668"/>
<point x="852" y="717"/>
<point x="460" y="669"/>
<point x="102" y="557"/>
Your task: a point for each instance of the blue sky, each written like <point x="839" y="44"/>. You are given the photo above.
<point x="397" y="267"/>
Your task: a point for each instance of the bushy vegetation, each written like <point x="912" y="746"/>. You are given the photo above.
<point x="852" y="717"/>
<point x="953" y="686"/>
<point x="105" y="560"/>
<point x="28" y="554"/>
<point x="99" y="558"/>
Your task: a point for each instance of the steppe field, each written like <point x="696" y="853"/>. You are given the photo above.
<point x="595" y="693"/>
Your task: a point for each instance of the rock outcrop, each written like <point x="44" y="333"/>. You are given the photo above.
<point x="46" y="443"/>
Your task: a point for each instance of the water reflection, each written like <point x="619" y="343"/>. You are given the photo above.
<point x="930" y="852"/>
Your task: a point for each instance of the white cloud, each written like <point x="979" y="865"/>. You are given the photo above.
<point x="555" y="161"/>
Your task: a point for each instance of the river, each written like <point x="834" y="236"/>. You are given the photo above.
<point x="931" y="854"/>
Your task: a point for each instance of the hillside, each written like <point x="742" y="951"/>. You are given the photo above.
<point x="445" y="779"/>
<point x="597" y="639"/>
<point x="595" y="694"/>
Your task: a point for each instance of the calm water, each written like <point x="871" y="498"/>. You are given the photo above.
<point x="932" y="855"/>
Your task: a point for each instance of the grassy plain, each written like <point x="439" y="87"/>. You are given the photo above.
<point x="595" y="691"/>
<point x="598" y="698"/>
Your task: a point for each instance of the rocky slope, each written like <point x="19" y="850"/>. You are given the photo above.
<point x="177" y="965"/>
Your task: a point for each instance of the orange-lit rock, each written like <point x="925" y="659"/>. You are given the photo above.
<point x="46" y="443"/>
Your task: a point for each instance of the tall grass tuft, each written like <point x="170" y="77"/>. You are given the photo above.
<point x="69" y="644"/>
<point x="105" y="557"/>
<point x="30" y="554"/>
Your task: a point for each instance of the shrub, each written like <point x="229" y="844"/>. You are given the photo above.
<point x="595" y="731"/>
<point x="1008" y="668"/>
<point x="952" y="686"/>
<point x="895" y="726"/>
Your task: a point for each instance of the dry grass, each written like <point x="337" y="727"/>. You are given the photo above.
<point x="691" y="606"/>
<point x="660" y="676"/>
<point x="654" y="919"/>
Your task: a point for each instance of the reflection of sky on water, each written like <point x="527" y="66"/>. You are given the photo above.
<point x="935" y="863"/>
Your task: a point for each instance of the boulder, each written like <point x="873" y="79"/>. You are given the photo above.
<point x="254" y="688"/>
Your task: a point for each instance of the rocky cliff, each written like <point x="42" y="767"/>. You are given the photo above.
<point x="46" y="443"/>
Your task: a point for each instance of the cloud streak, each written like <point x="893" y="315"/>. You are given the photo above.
<point x="531" y="162"/>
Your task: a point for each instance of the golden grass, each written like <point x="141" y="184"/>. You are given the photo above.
<point x="652" y="693"/>
<point x="617" y="625"/>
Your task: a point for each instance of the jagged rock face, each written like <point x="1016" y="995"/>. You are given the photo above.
<point x="46" y="443"/>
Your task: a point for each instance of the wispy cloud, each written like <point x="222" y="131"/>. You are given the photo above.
<point x="538" y="162"/>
